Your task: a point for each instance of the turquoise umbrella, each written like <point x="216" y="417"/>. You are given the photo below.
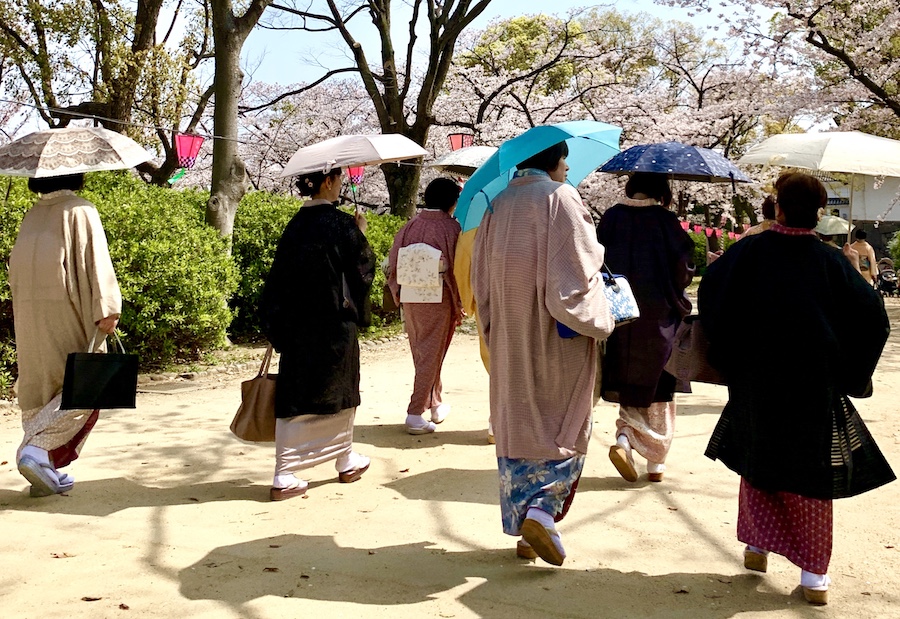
<point x="591" y="143"/>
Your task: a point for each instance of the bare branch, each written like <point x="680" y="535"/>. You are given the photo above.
<point x="291" y="93"/>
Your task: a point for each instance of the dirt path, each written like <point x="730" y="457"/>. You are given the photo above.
<point x="170" y="518"/>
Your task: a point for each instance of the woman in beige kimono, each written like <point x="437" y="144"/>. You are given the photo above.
<point x="64" y="290"/>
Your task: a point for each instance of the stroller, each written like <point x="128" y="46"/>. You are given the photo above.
<point x="886" y="282"/>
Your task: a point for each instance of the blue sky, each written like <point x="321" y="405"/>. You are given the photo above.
<point x="285" y="57"/>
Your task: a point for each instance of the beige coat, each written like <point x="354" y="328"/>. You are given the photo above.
<point x="537" y="261"/>
<point x="62" y="283"/>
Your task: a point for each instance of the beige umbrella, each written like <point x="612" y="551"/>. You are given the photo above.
<point x="71" y="150"/>
<point x="344" y="151"/>
<point x="851" y="152"/>
<point x="831" y="225"/>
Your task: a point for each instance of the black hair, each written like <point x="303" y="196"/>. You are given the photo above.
<point x="800" y="196"/>
<point x="768" y="207"/>
<point x="310" y="184"/>
<point x="547" y="159"/>
<point x="49" y="184"/>
<point x="655" y="186"/>
<point x="860" y="235"/>
<point x="441" y="193"/>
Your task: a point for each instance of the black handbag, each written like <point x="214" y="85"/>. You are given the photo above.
<point x="100" y="380"/>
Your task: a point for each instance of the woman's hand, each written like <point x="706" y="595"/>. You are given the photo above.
<point x="108" y="325"/>
<point x="460" y="316"/>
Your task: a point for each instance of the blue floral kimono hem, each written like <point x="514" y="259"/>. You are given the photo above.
<point x="548" y="485"/>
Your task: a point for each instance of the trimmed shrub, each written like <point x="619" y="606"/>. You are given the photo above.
<point x="701" y="245"/>
<point x="258" y="224"/>
<point x="380" y="234"/>
<point x="174" y="270"/>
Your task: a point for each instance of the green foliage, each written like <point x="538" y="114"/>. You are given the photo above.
<point x="519" y="45"/>
<point x="174" y="270"/>
<point x="701" y="246"/>
<point x="894" y="248"/>
<point x="380" y="234"/>
<point x="260" y="219"/>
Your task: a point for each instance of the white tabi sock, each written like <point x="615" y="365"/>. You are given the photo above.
<point x="39" y="455"/>
<point x="288" y="480"/>
<point x="542" y="517"/>
<point x="816" y="582"/>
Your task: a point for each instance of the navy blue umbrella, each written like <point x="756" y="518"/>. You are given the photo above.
<point x="677" y="161"/>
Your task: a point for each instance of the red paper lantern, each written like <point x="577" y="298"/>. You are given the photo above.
<point x="685" y="225"/>
<point x="461" y="140"/>
<point x="697" y="228"/>
<point x="187" y="145"/>
<point x="356" y="174"/>
<point x="709" y="231"/>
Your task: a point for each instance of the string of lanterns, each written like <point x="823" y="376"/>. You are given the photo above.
<point x="710" y="232"/>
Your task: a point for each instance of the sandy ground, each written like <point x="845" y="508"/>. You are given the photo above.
<point x="170" y="518"/>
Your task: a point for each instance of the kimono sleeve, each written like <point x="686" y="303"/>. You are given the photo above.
<point x="574" y="293"/>
<point x="481" y="275"/>
<point x="862" y="329"/>
<point x="93" y="263"/>
<point x="359" y="271"/>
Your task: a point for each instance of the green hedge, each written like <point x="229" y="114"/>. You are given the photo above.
<point x="380" y="234"/>
<point x="700" y="248"/>
<point x="260" y="219"/>
<point x="174" y="270"/>
<point x="16" y="200"/>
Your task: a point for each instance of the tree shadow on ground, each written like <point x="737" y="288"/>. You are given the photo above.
<point x="458" y="485"/>
<point x="482" y="486"/>
<point x="492" y="583"/>
<point x="394" y="436"/>
<point x="103" y="497"/>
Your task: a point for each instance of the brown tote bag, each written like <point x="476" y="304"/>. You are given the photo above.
<point x="255" y="418"/>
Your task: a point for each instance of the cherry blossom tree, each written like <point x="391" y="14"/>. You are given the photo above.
<point x="272" y="133"/>
<point x="852" y="47"/>
<point x="659" y="81"/>
<point x="103" y="60"/>
<point x="403" y="97"/>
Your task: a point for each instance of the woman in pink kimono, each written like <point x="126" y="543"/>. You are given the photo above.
<point x="536" y="269"/>
<point x="430" y="323"/>
<point x="64" y="290"/>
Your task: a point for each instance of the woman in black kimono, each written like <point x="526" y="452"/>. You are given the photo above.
<point x="314" y="301"/>
<point x="645" y="242"/>
<point x="788" y="428"/>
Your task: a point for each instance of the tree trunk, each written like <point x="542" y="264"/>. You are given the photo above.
<point x="403" y="188"/>
<point x="229" y="176"/>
